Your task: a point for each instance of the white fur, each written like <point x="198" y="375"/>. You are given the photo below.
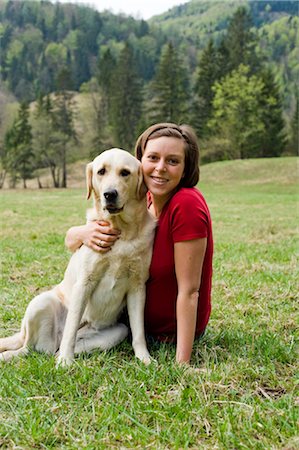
<point x="80" y="314"/>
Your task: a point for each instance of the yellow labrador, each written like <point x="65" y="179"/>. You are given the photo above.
<point x="80" y="314"/>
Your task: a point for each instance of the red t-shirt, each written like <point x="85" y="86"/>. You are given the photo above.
<point x="185" y="217"/>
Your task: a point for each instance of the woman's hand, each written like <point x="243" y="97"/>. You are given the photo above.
<point x="99" y="236"/>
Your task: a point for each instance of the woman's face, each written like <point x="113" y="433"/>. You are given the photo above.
<point x="163" y="164"/>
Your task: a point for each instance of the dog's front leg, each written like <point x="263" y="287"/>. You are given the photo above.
<point x="135" y="304"/>
<point x="78" y="301"/>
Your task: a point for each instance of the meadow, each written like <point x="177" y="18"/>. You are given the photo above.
<point x="239" y="391"/>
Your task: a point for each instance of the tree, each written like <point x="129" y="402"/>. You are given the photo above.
<point x="46" y="139"/>
<point x="100" y="139"/>
<point x="273" y="139"/>
<point x="55" y="57"/>
<point x="207" y="75"/>
<point x="294" y="135"/>
<point x="239" y="42"/>
<point x="106" y="67"/>
<point x="126" y="100"/>
<point x="6" y="98"/>
<point x="19" y="157"/>
<point x="99" y="120"/>
<point x="238" y="114"/>
<point x="80" y="63"/>
<point x="170" y="89"/>
<point x="65" y="133"/>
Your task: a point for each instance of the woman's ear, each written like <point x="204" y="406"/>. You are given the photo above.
<point x="141" y="187"/>
<point x="89" y="180"/>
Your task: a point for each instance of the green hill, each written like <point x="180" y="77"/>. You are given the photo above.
<point x="223" y="174"/>
<point x="39" y="38"/>
<point x="246" y="172"/>
<point x="213" y="15"/>
<point x="197" y="21"/>
<point x="192" y="24"/>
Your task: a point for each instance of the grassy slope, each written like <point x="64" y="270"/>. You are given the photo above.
<point x="240" y="391"/>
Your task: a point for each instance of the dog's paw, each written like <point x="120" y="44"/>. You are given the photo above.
<point x="144" y="356"/>
<point x="7" y="355"/>
<point x="62" y="361"/>
<point x="146" y="360"/>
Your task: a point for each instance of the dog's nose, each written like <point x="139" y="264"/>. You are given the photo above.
<point x="111" y="195"/>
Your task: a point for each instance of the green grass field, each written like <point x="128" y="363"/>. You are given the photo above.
<point x="240" y="391"/>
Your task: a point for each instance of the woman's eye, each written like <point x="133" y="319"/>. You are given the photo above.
<point x="102" y="171"/>
<point x="125" y="173"/>
<point x="152" y="158"/>
<point x="173" y="162"/>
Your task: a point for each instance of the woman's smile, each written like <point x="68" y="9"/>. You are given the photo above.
<point x="159" y="180"/>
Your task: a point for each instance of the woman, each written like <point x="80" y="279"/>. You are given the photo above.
<point x="178" y="302"/>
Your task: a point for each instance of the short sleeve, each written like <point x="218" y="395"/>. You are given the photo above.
<point x="189" y="216"/>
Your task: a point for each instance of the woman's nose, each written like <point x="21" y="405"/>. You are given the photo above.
<point x="160" y="167"/>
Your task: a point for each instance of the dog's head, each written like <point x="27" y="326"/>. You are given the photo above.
<point x="115" y="178"/>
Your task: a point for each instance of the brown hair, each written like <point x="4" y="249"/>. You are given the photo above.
<point x="183" y="132"/>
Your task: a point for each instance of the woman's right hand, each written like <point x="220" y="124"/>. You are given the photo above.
<point x="97" y="235"/>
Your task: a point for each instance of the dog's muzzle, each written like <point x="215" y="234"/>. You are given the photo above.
<point x="111" y="199"/>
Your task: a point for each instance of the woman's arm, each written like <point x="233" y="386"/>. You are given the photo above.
<point x="99" y="236"/>
<point x="188" y="257"/>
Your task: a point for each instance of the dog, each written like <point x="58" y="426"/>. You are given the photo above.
<point x="80" y="314"/>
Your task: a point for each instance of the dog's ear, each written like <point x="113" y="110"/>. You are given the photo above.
<point x="141" y="187"/>
<point x="89" y="180"/>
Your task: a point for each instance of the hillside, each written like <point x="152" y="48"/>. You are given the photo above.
<point x="192" y="24"/>
<point x="198" y="20"/>
<point x="232" y="174"/>
<point x="215" y="13"/>
<point x="264" y="171"/>
<point x="39" y="38"/>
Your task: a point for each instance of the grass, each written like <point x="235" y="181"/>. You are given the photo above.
<point x="240" y="391"/>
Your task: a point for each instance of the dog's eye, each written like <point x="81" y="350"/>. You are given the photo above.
<point x="125" y="173"/>
<point x="102" y="171"/>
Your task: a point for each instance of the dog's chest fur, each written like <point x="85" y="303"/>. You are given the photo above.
<point x="113" y="278"/>
<point x="111" y="275"/>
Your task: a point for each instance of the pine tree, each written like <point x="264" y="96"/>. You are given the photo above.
<point x="273" y="140"/>
<point x="223" y="58"/>
<point x="170" y="89"/>
<point x="294" y="139"/>
<point x="19" y="158"/>
<point x="46" y="140"/>
<point x="100" y="137"/>
<point x="64" y="80"/>
<point x="239" y="43"/>
<point x="80" y="62"/>
<point x="207" y="75"/>
<point x="106" y="67"/>
<point x="63" y="122"/>
<point x="126" y="100"/>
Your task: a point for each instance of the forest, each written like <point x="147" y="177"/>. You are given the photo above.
<point x="75" y="81"/>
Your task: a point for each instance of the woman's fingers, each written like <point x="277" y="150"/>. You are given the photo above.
<point x="105" y="228"/>
<point x="103" y="237"/>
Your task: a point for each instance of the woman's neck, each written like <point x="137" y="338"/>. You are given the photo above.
<point x="158" y="204"/>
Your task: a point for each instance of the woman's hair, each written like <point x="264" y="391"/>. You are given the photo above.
<point x="182" y="132"/>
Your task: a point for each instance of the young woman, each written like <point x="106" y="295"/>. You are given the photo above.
<point x="178" y="302"/>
